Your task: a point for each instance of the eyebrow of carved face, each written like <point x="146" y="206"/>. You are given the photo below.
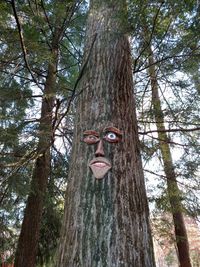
<point x="113" y="129"/>
<point x="91" y="132"/>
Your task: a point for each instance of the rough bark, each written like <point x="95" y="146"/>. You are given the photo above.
<point x="106" y="220"/>
<point x="174" y="193"/>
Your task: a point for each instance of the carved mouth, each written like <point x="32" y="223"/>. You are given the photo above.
<point x="100" y="166"/>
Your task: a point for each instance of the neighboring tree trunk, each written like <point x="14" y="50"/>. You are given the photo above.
<point x="28" y="240"/>
<point x="172" y="186"/>
<point x="29" y="236"/>
<point x="106" y="220"/>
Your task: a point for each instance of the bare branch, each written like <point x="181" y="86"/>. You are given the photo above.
<point x="76" y="84"/>
<point x="165" y="178"/>
<point x="167" y="58"/>
<point x="23" y="43"/>
<point x="46" y="16"/>
<point x="171" y="130"/>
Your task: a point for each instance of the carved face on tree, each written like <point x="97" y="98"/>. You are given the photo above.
<point x="100" y="165"/>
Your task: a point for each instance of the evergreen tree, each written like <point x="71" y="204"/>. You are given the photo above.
<point x="159" y="25"/>
<point x="40" y="58"/>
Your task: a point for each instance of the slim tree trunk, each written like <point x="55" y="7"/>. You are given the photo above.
<point x="28" y="240"/>
<point x="174" y="193"/>
<point x="106" y="212"/>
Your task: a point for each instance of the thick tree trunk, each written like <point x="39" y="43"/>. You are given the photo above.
<point x="172" y="186"/>
<point x="106" y="220"/>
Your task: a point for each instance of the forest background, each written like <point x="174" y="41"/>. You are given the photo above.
<point x="42" y="43"/>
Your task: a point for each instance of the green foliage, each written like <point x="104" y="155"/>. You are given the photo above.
<point x="174" y="36"/>
<point x="169" y="29"/>
<point x="23" y="71"/>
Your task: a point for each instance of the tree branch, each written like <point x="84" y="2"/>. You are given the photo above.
<point x="76" y="84"/>
<point x="23" y="43"/>
<point x="171" y="130"/>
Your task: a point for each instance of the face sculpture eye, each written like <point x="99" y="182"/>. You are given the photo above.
<point x="90" y="139"/>
<point x="112" y="137"/>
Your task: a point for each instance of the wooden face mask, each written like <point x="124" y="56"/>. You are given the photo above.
<point x="100" y="165"/>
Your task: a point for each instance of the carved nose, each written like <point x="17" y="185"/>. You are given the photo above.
<point x="99" y="151"/>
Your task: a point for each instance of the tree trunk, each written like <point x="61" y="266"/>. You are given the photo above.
<point x="29" y="235"/>
<point x="106" y="218"/>
<point x="174" y="193"/>
<point x="28" y="240"/>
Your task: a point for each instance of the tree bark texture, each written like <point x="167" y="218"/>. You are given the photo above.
<point x="106" y="220"/>
<point x="174" y="193"/>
